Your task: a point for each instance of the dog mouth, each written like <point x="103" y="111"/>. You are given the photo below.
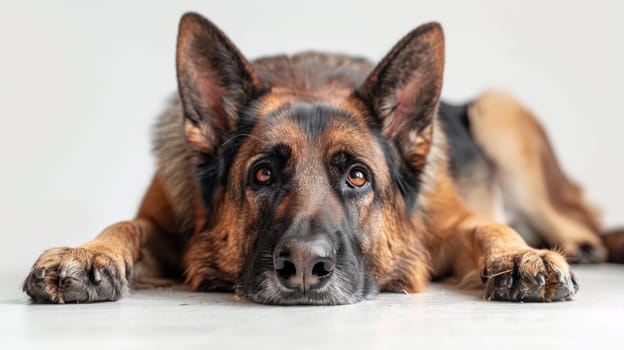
<point x="306" y="267"/>
<point x="283" y="279"/>
<point x="270" y="290"/>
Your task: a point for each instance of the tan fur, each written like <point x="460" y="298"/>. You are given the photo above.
<point x="176" y="235"/>
<point x="175" y="166"/>
<point x="534" y="186"/>
<point x="457" y="240"/>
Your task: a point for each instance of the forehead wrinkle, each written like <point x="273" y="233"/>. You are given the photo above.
<point x="312" y="121"/>
<point x="305" y="114"/>
<point x="266" y="136"/>
<point x="341" y="131"/>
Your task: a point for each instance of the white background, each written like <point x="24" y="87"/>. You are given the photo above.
<point x="81" y="83"/>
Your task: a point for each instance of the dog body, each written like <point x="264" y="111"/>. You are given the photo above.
<point x="323" y="179"/>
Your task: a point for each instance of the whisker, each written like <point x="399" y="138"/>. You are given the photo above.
<point x="241" y="135"/>
<point x="497" y="274"/>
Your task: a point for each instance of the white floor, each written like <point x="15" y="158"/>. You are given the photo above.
<point x="440" y="318"/>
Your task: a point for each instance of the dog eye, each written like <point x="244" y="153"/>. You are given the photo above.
<point x="357" y="177"/>
<point x="263" y="175"/>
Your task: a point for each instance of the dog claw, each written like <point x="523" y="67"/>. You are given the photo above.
<point x="561" y="277"/>
<point x="509" y="281"/>
<point x="540" y="279"/>
<point x="40" y="274"/>
<point x="575" y="284"/>
<point x="97" y="275"/>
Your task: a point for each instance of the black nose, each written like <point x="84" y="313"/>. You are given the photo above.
<point x="305" y="265"/>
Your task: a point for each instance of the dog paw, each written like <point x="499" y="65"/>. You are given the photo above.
<point x="528" y="275"/>
<point x="590" y="252"/>
<point x="63" y="275"/>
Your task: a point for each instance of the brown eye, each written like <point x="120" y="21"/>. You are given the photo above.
<point x="263" y="175"/>
<point x="357" y="178"/>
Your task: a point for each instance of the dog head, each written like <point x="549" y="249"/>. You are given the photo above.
<point x="309" y="194"/>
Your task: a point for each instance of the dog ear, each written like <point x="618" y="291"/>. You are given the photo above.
<point x="404" y="91"/>
<point x="214" y="81"/>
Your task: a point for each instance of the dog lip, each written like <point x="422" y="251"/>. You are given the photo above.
<point x="272" y="292"/>
<point x="298" y="297"/>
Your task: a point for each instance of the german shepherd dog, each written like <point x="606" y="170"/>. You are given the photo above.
<point x="322" y="179"/>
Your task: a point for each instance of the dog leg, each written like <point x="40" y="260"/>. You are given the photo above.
<point x="96" y="271"/>
<point x="100" y="269"/>
<point x="535" y="189"/>
<point x="463" y="243"/>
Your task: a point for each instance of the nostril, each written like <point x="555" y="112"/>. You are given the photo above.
<point x="285" y="268"/>
<point x="323" y="269"/>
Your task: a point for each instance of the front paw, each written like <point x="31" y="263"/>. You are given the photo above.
<point x="63" y="275"/>
<point x="528" y="275"/>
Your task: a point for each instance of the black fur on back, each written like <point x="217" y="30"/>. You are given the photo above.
<point x="463" y="151"/>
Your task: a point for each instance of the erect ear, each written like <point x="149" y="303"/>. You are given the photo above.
<point x="214" y="81"/>
<point x="404" y="91"/>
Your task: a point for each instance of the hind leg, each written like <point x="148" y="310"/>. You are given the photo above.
<point x="541" y="199"/>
